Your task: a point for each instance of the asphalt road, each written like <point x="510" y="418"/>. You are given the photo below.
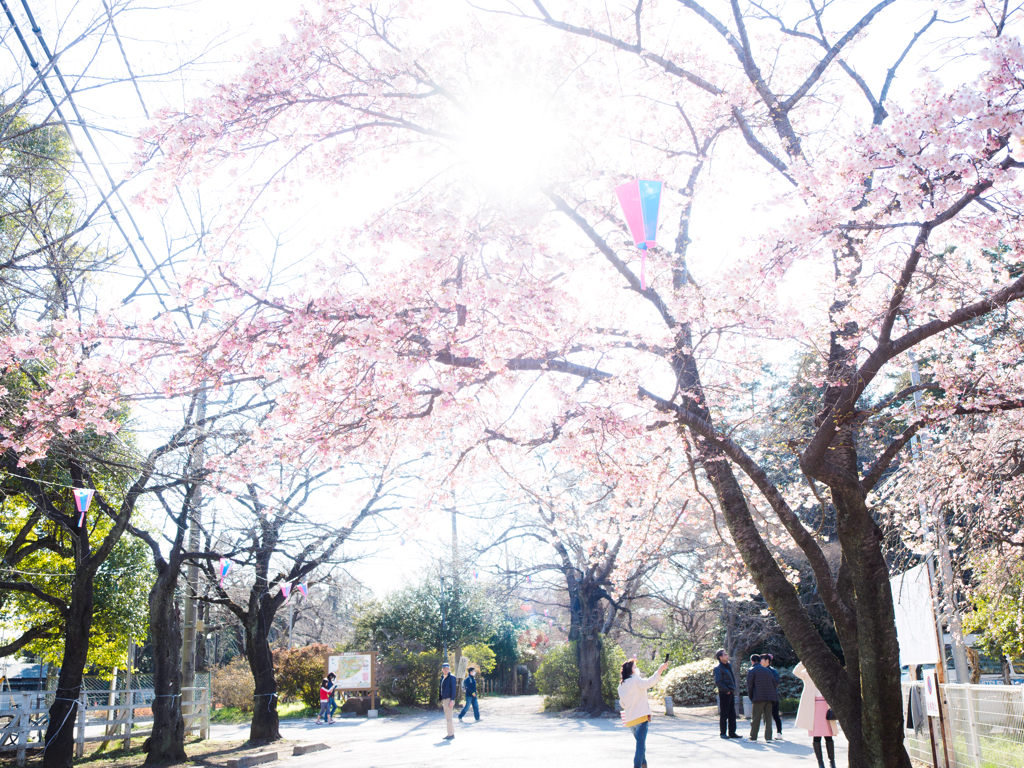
<point x="514" y="733"/>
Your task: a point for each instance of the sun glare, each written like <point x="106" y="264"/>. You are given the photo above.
<point x="510" y="143"/>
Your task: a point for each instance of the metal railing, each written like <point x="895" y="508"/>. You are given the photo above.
<point x="110" y="716"/>
<point x="984" y="727"/>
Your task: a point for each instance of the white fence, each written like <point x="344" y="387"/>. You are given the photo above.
<point x="984" y="727"/>
<point x="109" y="716"/>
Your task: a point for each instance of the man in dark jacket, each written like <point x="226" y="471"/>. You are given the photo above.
<point x="725" y="681"/>
<point x="762" y="690"/>
<point x="469" y="686"/>
<point x="447" y="696"/>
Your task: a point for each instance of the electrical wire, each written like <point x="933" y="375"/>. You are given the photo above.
<point x="115" y="187"/>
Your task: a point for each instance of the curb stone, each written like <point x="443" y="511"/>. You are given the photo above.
<point x="248" y="760"/>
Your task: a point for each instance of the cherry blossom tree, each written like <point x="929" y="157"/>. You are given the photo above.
<point x="597" y="543"/>
<point x="273" y="533"/>
<point x="467" y="318"/>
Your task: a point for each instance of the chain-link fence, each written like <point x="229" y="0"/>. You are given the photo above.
<point x="984" y="726"/>
<point x="138" y="681"/>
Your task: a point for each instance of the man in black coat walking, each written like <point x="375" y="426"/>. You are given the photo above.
<point x="725" y="681"/>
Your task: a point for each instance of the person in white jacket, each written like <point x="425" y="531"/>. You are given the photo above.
<point x="812" y="714"/>
<point x="636" y="709"/>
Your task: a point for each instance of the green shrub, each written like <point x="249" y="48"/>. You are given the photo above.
<point x="790" y="686"/>
<point x="612" y="658"/>
<point x="789" y="704"/>
<point x="299" y="672"/>
<point x="233" y="685"/>
<point x="691" y="684"/>
<point x="410" y="676"/>
<point x="481" y="657"/>
<point x="558" y="678"/>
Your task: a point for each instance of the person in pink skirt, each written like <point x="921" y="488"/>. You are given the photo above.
<point x="812" y="715"/>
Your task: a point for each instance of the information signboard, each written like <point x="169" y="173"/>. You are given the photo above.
<point x="354" y="671"/>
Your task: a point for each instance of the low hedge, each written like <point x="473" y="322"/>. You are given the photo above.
<point x="691" y="684"/>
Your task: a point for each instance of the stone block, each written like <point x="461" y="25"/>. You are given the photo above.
<point x="304" y="749"/>
<point x="256" y="759"/>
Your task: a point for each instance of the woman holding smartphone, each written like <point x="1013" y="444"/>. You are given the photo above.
<point x="636" y="709"/>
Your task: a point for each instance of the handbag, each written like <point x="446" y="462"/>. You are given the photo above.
<point x="830" y="715"/>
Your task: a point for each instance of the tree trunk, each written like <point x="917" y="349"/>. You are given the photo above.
<point x="265" y="722"/>
<point x="878" y="651"/>
<point x="588" y="652"/>
<point x="167" y="744"/>
<point x="60" y="731"/>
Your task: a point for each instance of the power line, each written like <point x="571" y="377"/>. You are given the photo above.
<point x="41" y="75"/>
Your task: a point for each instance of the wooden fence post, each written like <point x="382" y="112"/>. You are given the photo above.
<point x="23" y="721"/>
<point x="204" y="733"/>
<point x="129" y="715"/>
<point x="973" y="739"/>
<point x="80" y="740"/>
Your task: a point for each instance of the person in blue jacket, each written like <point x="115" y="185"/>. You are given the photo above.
<point x="469" y="686"/>
<point x="447" y="693"/>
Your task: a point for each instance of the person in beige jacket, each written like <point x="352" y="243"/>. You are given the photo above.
<point x="636" y="709"/>
<point x="812" y="714"/>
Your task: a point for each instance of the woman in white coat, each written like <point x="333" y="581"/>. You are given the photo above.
<point x="812" y="715"/>
<point x="636" y="709"/>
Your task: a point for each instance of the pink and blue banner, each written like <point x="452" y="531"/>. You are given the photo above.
<point x="304" y="591"/>
<point x="83" y="498"/>
<point x="641" y="201"/>
<point x="286" y="590"/>
<point x="224" y="568"/>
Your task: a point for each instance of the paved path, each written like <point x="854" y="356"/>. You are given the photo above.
<point x="514" y="733"/>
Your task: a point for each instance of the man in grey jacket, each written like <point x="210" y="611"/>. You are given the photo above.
<point x="762" y="690"/>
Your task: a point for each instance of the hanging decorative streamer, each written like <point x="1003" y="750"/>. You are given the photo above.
<point x="286" y="590"/>
<point x="305" y="592"/>
<point x="83" y="498"/>
<point x="225" y="569"/>
<point x="640" y="200"/>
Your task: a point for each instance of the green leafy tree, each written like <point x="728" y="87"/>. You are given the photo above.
<point x="432" y="615"/>
<point x="998" y="599"/>
<point x="481" y="656"/>
<point x="299" y="672"/>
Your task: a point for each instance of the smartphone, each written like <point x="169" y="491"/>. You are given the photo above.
<point x="666" y="659"/>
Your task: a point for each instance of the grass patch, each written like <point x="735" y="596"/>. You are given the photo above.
<point x="230" y="715"/>
<point x="291" y="710"/>
<point x="294" y="710"/>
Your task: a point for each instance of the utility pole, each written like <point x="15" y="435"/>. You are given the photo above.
<point x="945" y="591"/>
<point x="291" y="623"/>
<point x="188" y="651"/>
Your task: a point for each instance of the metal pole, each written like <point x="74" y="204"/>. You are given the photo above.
<point x="444" y="627"/>
<point x="188" y="654"/>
